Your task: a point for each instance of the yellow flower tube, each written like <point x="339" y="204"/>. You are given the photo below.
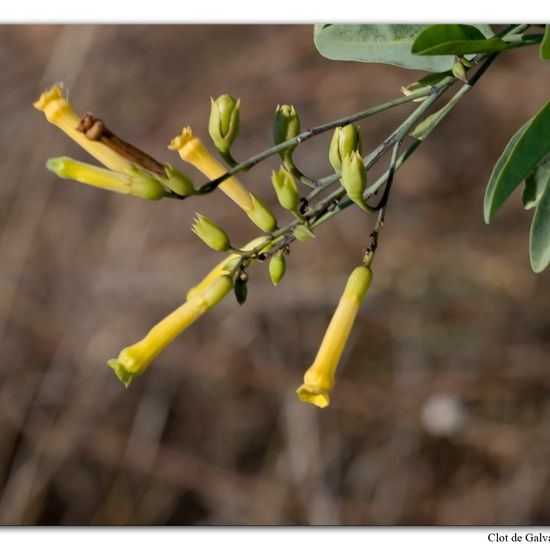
<point x="59" y="111"/>
<point x="319" y="378"/>
<point x="133" y="360"/>
<point x="192" y="150"/>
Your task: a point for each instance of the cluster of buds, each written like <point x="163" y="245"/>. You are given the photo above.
<point x="319" y="378"/>
<point x="130" y="171"/>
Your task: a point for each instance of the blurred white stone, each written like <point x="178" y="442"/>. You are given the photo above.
<point x="442" y="414"/>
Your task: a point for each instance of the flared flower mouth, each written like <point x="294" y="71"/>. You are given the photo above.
<point x="134" y="360"/>
<point x="319" y="378"/>
<point x="314" y="395"/>
<point x="122" y="373"/>
<point x="180" y="141"/>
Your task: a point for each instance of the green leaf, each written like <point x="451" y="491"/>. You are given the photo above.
<point x="545" y="45"/>
<point x="455" y="40"/>
<point x="539" y="239"/>
<point x="390" y="44"/>
<point x="535" y="184"/>
<point x="524" y="151"/>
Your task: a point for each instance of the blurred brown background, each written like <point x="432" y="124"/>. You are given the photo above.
<point x="441" y="411"/>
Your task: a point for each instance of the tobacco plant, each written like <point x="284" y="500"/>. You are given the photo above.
<point x="454" y="57"/>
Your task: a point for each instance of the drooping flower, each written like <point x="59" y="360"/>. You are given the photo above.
<point x="133" y="360"/>
<point x="319" y="378"/>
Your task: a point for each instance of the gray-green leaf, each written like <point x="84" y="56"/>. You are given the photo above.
<point x="524" y="151"/>
<point x="390" y="44"/>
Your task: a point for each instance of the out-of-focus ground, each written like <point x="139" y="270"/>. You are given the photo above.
<point x="441" y="411"/>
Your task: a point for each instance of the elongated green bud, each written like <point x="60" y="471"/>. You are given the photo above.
<point x="136" y="182"/>
<point x="241" y="290"/>
<point x="286" y="124"/>
<point x="277" y="267"/>
<point x="210" y="233"/>
<point x="223" y="125"/>
<point x="345" y="140"/>
<point x="354" y="178"/>
<point x="459" y="71"/>
<point x="178" y="182"/>
<point x="261" y="215"/>
<point x="286" y="189"/>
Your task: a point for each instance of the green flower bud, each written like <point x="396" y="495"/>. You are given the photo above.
<point x="345" y="140"/>
<point x="459" y="71"/>
<point x="145" y="185"/>
<point x="277" y="267"/>
<point x="354" y="178"/>
<point x="241" y="290"/>
<point x="178" y="182"/>
<point x="210" y="233"/>
<point x="286" y="124"/>
<point x="223" y="125"/>
<point x="286" y="189"/>
<point x="261" y="215"/>
<point x="303" y="233"/>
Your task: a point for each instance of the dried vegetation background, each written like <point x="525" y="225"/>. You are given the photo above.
<point x="441" y="413"/>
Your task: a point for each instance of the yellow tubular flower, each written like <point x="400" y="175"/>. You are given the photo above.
<point x="58" y="111"/>
<point x="192" y="149"/>
<point x="134" y="359"/>
<point x="319" y="378"/>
